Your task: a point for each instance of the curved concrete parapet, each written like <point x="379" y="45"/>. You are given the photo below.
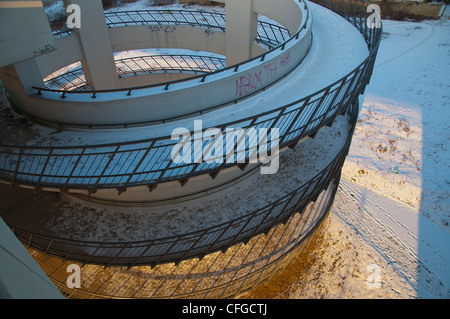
<point x="260" y="244"/>
<point x="121" y="106"/>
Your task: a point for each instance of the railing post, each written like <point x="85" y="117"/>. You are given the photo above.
<point x="16" y="170"/>
<point x="43" y="169"/>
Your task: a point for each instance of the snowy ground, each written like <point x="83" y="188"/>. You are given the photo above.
<point x="392" y="210"/>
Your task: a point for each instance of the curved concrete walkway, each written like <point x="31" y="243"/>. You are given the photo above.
<point x="337" y="49"/>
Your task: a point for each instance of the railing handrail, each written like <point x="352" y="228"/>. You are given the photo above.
<point x="152" y="69"/>
<point x="168" y="137"/>
<point x="108" y="15"/>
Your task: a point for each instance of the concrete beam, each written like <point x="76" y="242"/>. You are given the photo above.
<point x="24" y="31"/>
<point x="241" y="30"/>
<point x="98" y="63"/>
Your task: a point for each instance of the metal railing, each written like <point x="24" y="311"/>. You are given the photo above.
<point x="196" y="64"/>
<point x="109" y="166"/>
<point x="281" y="247"/>
<point x="167" y="63"/>
<point x="198" y="243"/>
<point x="167" y="20"/>
<point x="162" y="19"/>
<point x="148" y="163"/>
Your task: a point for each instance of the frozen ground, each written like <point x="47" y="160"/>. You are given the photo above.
<point x="392" y="210"/>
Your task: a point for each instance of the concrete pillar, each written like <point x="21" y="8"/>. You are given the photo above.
<point x="30" y="75"/>
<point x="98" y="64"/>
<point x="24" y="35"/>
<point x="20" y="275"/>
<point x="21" y="77"/>
<point x="241" y="30"/>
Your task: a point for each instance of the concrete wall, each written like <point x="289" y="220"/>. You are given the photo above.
<point x="135" y="38"/>
<point x="183" y="37"/>
<point x="69" y="51"/>
<point x="156" y="104"/>
<point x="171" y="192"/>
<point x="284" y="12"/>
<point x="24" y="31"/>
<point x="98" y="59"/>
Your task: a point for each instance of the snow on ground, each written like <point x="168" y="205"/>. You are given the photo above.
<point x="401" y="147"/>
<point x="402" y="138"/>
<point x="392" y="210"/>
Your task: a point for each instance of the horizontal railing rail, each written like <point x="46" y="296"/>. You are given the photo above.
<point x="161" y="19"/>
<point x="196" y="64"/>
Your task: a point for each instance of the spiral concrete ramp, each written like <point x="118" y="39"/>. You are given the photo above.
<point x="88" y="168"/>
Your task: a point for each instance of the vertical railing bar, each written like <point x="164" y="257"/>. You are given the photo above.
<point x="218" y="238"/>
<point x="107" y="165"/>
<point x="139" y="164"/>
<point x="332" y="102"/>
<point x="316" y="109"/>
<point x="194" y="244"/>
<point x="233" y="240"/>
<point x="29" y="240"/>
<point x="166" y="253"/>
<point x="16" y="170"/>
<point x="111" y="261"/>
<point x="74" y="167"/>
<point x="262" y="221"/>
<point x="70" y="252"/>
<point x="44" y="168"/>
<point x="300" y="111"/>
<point x="48" y="247"/>
<point x="142" y="254"/>
<point x="93" y="254"/>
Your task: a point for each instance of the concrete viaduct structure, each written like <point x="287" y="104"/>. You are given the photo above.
<point x="102" y="144"/>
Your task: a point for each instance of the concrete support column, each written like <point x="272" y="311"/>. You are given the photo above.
<point x="241" y="30"/>
<point x="30" y="75"/>
<point x="20" y="275"/>
<point x="98" y="64"/>
<point x="20" y="77"/>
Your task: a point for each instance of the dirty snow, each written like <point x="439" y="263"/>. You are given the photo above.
<point x="392" y="209"/>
